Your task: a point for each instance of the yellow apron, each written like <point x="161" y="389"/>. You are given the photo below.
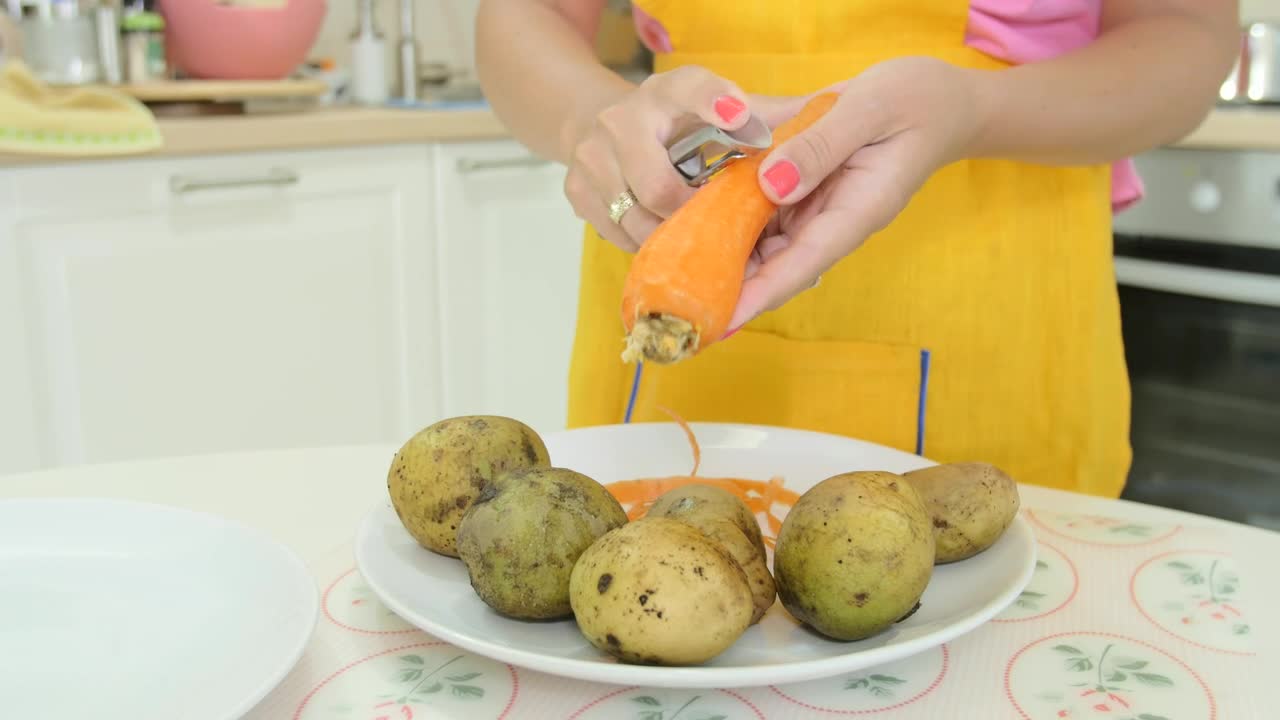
<point x="983" y="324"/>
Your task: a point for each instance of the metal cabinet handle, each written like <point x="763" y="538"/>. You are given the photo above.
<point x="467" y="165"/>
<point x="275" y="176"/>
<point x="1211" y="283"/>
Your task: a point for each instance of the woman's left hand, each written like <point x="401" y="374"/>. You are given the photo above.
<point x="854" y="170"/>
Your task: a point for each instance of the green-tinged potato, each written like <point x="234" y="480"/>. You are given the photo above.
<point x="698" y="498"/>
<point x="523" y="534"/>
<point x="721" y="521"/>
<point x="970" y="505"/>
<point x="657" y="591"/>
<point x="854" y="554"/>
<point x="437" y="474"/>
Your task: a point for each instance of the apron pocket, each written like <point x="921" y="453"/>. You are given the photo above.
<point x="865" y="390"/>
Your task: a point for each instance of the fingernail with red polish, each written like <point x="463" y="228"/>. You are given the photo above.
<point x="731" y="333"/>
<point x="729" y="108"/>
<point x="783" y="177"/>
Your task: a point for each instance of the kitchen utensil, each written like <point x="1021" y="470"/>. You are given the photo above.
<point x="106" y="19"/>
<point x="368" y="60"/>
<point x="706" y="150"/>
<point x="61" y="48"/>
<point x="433" y="592"/>
<point x="1255" y="78"/>
<point x="162" y="612"/>
<point x="408" y="54"/>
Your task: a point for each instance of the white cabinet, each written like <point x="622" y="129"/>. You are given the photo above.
<point x="173" y="306"/>
<point x="509" y="251"/>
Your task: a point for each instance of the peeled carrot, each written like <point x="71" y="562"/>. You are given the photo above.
<point x="684" y="282"/>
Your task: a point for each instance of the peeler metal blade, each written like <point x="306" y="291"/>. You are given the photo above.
<point x="702" y="153"/>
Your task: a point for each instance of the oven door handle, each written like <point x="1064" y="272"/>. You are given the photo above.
<point x="1212" y="283"/>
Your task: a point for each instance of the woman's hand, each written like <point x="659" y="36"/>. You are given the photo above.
<point x="854" y="170"/>
<point x="625" y="147"/>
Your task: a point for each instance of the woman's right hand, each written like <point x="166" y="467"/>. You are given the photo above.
<point x="625" y="147"/>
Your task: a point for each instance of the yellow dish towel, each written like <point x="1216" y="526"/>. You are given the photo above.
<point x="38" y="119"/>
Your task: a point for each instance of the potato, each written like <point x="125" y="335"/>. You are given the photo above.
<point x="523" y="534"/>
<point x="854" y="554"/>
<point x="970" y="504"/>
<point x="437" y="474"/>
<point x="699" y="497"/>
<point x="721" y="519"/>
<point x="657" y="591"/>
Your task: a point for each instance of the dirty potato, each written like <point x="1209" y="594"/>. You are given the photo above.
<point x="854" y="554"/>
<point x="722" y="522"/>
<point x="699" y="498"/>
<point x="970" y="505"/>
<point x="523" y="534"/>
<point x="437" y="474"/>
<point x="657" y="591"/>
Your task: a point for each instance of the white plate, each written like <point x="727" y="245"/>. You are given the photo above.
<point x="433" y="592"/>
<point x="120" y="610"/>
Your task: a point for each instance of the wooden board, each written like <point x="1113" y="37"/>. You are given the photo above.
<point x="221" y="90"/>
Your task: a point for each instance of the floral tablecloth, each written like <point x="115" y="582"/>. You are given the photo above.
<point x="1133" y="613"/>
<point x="1123" y="619"/>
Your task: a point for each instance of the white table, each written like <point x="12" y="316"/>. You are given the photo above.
<point x="1112" y="605"/>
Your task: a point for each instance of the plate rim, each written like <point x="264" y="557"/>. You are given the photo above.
<point x="699" y="677"/>
<point x="303" y="579"/>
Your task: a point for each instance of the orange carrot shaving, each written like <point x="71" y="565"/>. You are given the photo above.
<point x="684" y="282"/>
<point x="761" y="497"/>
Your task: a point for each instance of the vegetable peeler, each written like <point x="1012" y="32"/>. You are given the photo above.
<point x="702" y="153"/>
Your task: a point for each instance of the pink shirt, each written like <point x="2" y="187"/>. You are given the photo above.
<point x="1016" y="31"/>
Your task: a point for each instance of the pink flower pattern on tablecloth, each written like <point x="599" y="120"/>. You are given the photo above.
<point x="1194" y="596"/>
<point x="1101" y="675"/>
<point x="350" y="603"/>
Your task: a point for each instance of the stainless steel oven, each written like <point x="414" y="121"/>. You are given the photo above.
<point x="1198" y="267"/>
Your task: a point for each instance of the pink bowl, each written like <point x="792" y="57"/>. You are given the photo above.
<point x="224" y="42"/>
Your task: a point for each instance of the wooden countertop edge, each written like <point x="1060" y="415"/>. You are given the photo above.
<point x="1224" y="128"/>
<point x="309" y="129"/>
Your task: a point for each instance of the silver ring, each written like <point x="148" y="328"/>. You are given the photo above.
<point x="621" y="205"/>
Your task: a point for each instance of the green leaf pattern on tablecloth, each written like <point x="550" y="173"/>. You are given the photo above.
<point x="1099" y="676"/>
<point x="1052" y="584"/>
<point x="660" y="704"/>
<point x="428" y="680"/>
<point x="882" y="688"/>
<point x="1102" y="530"/>
<point x="1196" y="596"/>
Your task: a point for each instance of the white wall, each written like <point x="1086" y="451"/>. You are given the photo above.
<point x="1260" y="10"/>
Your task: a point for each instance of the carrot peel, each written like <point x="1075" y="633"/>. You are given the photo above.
<point x="684" y="283"/>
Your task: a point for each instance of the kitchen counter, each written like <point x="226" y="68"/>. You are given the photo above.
<point x="323" y="127"/>
<point x="1225" y="128"/>
<point x="1237" y="128"/>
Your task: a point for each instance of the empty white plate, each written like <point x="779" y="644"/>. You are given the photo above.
<point x="434" y="593"/>
<point x="121" y="610"/>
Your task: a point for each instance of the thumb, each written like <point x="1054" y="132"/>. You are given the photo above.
<point x="798" y="165"/>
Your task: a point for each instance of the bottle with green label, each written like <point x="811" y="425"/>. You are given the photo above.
<point x="143" y="33"/>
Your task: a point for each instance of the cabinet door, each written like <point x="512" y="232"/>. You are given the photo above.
<point x="509" y="258"/>
<point x="19" y="440"/>
<point x="228" y="303"/>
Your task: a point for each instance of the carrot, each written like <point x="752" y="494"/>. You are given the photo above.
<point x="683" y="284"/>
